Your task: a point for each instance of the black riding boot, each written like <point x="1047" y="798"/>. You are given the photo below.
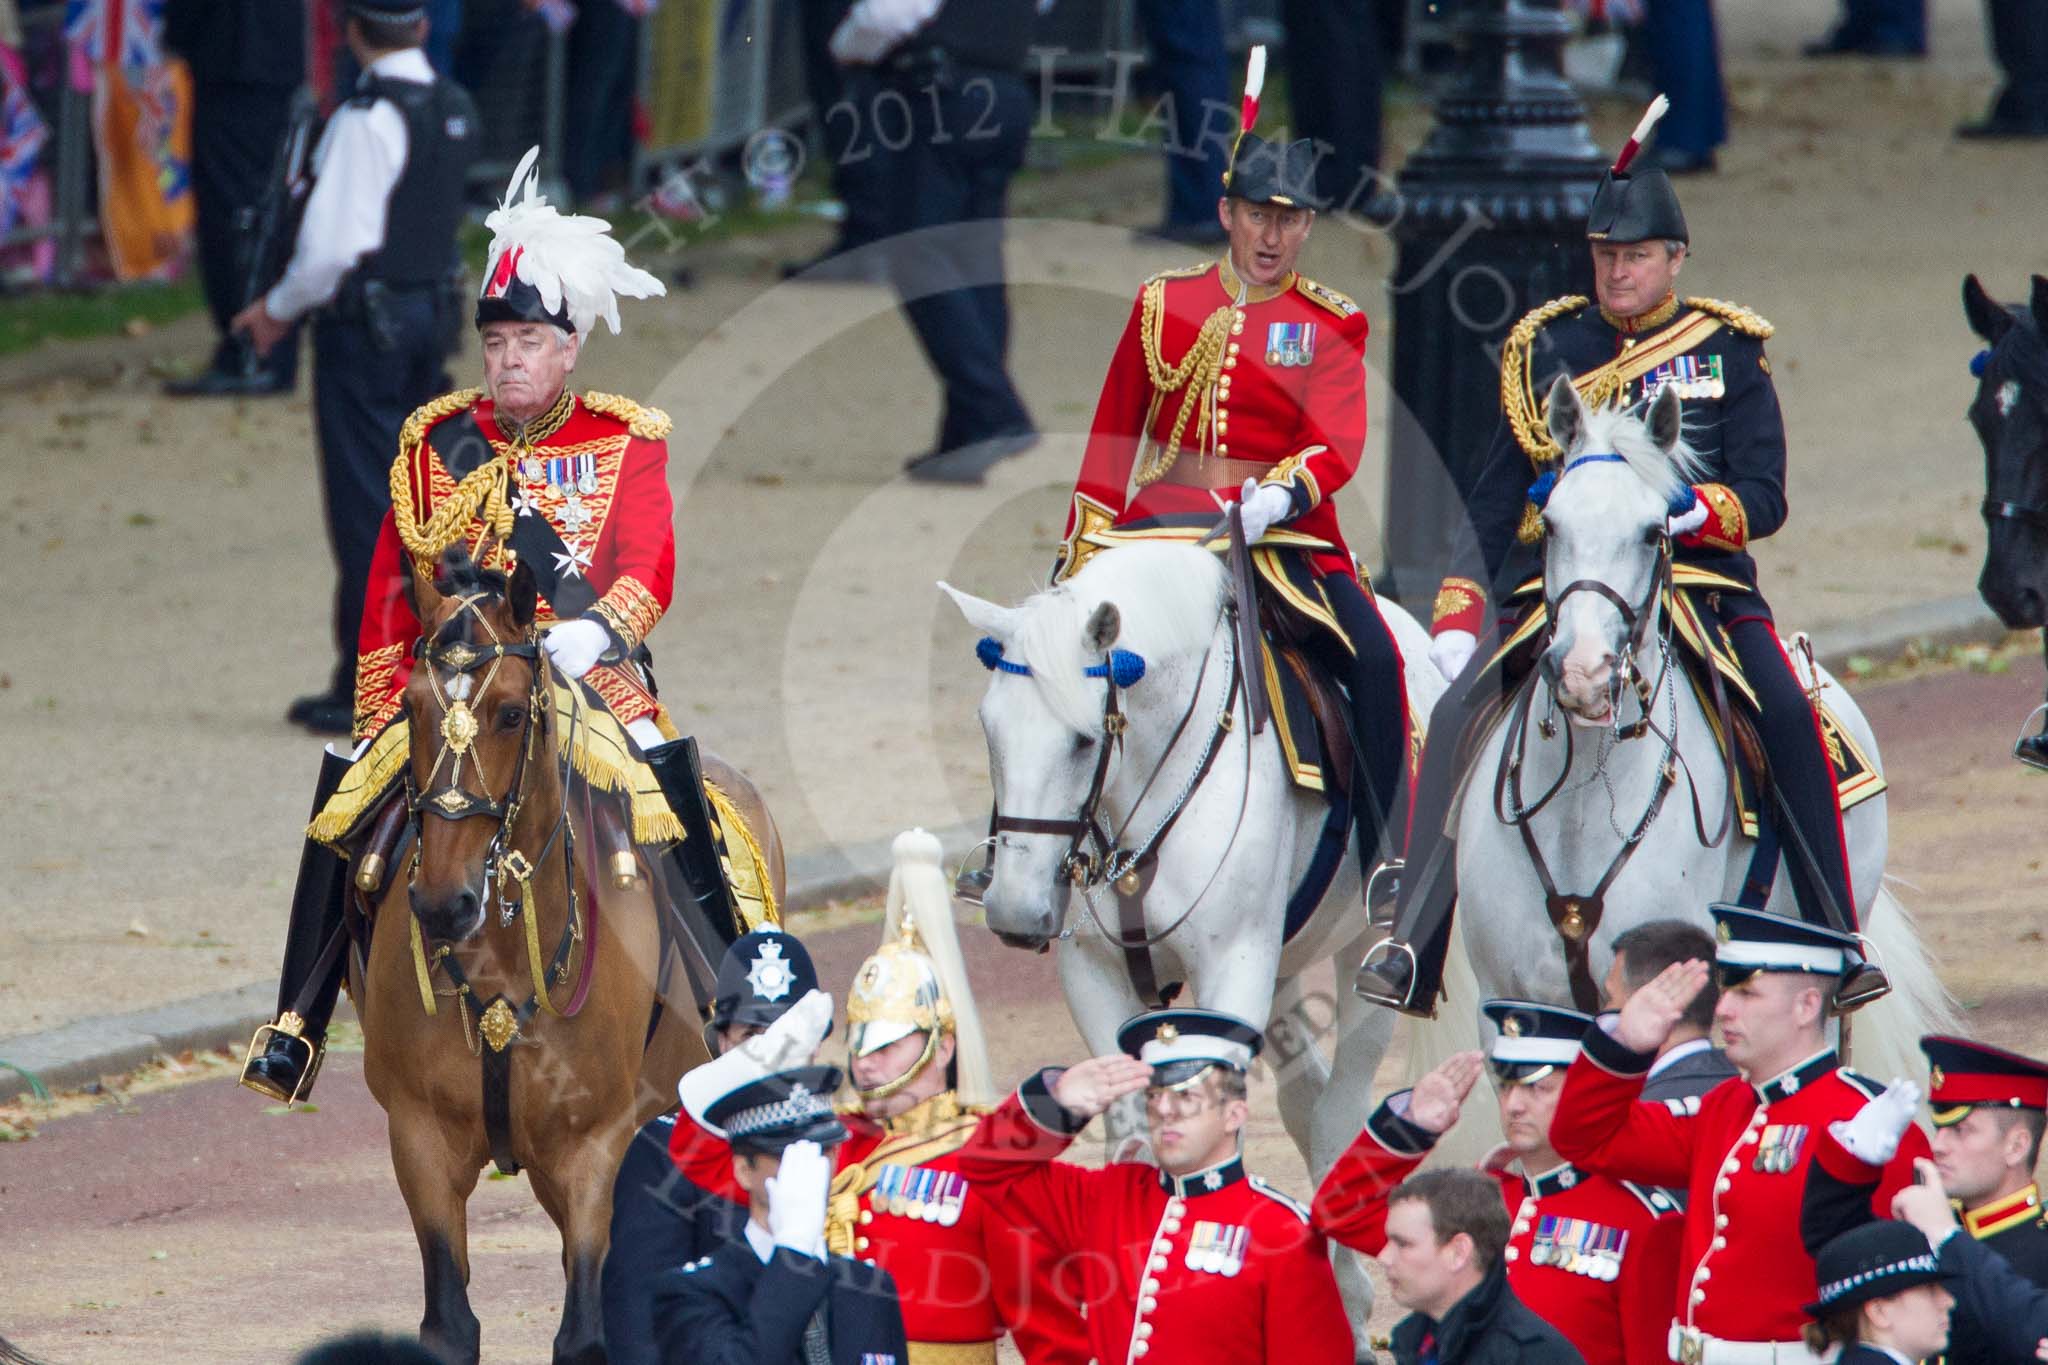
<point x="696" y="858"/>
<point x="285" y="1054"/>
<point x="1371" y="672"/>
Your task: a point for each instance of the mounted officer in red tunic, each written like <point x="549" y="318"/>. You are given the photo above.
<point x="1245" y="381"/>
<point x="574" y="487"/>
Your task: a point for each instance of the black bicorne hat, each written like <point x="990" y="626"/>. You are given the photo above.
<point x="1283" y="173"/>
<point x="766" y="1115"/>
<point x="507" y="298"/>
<point x="1873" y="1261"/>
<point x="1639" y="207"/>
<point x="762" y="975"/>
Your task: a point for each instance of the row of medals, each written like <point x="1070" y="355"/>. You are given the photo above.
<point x="1218" y="1248"/>
<point x="572" y="493"/>
<point x="1579" y="1248"/>
<point x="921" y="1193"/>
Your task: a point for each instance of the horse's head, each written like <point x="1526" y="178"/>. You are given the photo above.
<point x="1605" y="554"/>
<point x="470" y="700"/>
<point x="1054" y="664"/>
<point x="2010" y="413"/>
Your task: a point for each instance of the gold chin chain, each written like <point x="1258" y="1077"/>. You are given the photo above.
<point x="1194" y="378"/>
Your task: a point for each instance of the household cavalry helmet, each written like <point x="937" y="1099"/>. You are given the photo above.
<point x="916" y="982"/>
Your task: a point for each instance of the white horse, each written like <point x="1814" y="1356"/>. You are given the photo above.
<point x="1241" y="843"/>
<point x="1604" y="521"/>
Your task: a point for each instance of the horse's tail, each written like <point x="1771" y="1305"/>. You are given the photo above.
<point x="1884" y="1040"/>
<point x="1431" y="1042"/>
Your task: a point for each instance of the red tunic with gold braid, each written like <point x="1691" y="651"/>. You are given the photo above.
<point x="901" y="1201"/>
<point x="1205" y="391"/>
<point x="595" y="467"/>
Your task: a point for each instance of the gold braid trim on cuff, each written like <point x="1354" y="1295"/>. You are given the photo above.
<point x="1294" y="467"/>
<point x="1456" y="595"/>
<point x="629" y="609"/>
<point x="649" y="424"/>
<point x="1727" y="526"/>
<point x="1194" y="378"/>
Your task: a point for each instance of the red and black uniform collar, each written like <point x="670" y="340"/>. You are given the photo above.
<point x="1988" y="1220"/>
<point x="1556" y="1180"/>
<point x="1643" y="322"/>
<point x="1198" y="1183"/>
<point x="1788" y="1083"/>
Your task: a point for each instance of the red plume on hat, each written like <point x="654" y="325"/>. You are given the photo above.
<point x="1635" y="139"/>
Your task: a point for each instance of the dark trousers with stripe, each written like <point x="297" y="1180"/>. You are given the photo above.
<point x="236" y="130"/>
<point x="1372" y="674"/>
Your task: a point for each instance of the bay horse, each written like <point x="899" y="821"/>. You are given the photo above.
<point x="508" y="1000"/>
<point x="1590" y="796"/>
<point x="1113" y="702"/>
<point x="2010" y="415"/>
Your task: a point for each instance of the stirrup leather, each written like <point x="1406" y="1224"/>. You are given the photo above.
<point x="289" y="1026"/>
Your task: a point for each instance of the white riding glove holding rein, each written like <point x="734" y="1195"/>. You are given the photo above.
<point x="1264" y="507"/>
<point x="796" y="1199"/>
<point x="1688" y="521"/>
<point x="1451" y="650"/>
<point x="791" y="1041"/>
<point x="575" y="646"/>
<point x="1872" y="1135"/>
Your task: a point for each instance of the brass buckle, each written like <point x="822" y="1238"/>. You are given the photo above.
<point x="288" y="1025"/>
<point x="1692" y="1347"/>
<point x="514" y="867"/>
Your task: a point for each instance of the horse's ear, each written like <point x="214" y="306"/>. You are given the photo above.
<point x="1989" y="318"/>
<point x="1105" y="623"/>
<point x="1664" y="418"/>
<point x="984" y="616"/>
<point x="521" y="595"/>
<point x="426" y="598"/>
<point x="1564" y="413"/>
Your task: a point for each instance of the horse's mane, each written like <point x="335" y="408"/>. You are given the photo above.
<point x="1626" y="434"/>
<point x="1168" y="596"/>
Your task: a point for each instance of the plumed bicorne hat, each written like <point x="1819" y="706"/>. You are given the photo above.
<point x="1636" y="206"/>
<point x="1268" y="172"/>
<point x="547" y="266"/>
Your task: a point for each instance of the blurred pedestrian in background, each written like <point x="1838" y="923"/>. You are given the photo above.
<point x="1685" y="65"/>
<point x="603" y="60"/>
<point x="953" y="99"/>
<point x="840" y="96"/>
<point x="1881" y="28"/>
<point x="2019" y="43"/>
<point x="376" y="260"/>
<point x="246" y="58"/>
<point x="1192" y="66"/>
<point x="1335" y="70"/>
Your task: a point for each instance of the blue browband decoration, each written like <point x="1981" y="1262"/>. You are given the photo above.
<point x="1539" y="491"/>
<point x="1979" y="363"/>
<point x="1123" y="669"/>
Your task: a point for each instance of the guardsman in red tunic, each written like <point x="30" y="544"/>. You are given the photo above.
<point x="1746" y="1152"/>
<point x="576" y="488"/>
<point x="1595" y="1257"/>
<point x="1245" y="381"/>
<point x="901" y="1198"/>
<point x="1189" y="1261"/>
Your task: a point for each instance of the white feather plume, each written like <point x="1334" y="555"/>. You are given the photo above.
<point x="919" y="892"/>
<point x="566" y="257"/>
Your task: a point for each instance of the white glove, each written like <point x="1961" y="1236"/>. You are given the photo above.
<point x="1688" y="521"/>
<point x="574" y="646"/>
<point x="1451" y="650"/>
<point x="1265" y="506"/>
<point x="796" y="1198"/>
<point x="791" y="1041"/>
<point x="1872" y="1136"/>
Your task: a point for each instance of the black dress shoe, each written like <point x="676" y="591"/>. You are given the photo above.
<point x="1207" y="232"/>
<point x="1995" y="129"/>
<point x="280" y="1069"/>
<point x="227" y="384"/>
<point x="1861" y="984"/>
<point x="1842" y="43"/>
<point x="324" y="713"/>
<point x="837" y="264"/>
<point x="968" y="464"/>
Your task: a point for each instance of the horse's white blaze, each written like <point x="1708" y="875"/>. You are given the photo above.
<point x="1242" y="843"/>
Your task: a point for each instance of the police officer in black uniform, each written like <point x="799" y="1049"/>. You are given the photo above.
<point x="958" y="80"/>
<point x="375" y="264"/>
<point x="1638" y="338"/>
<point x="1989" y="1107"/>
<point x="246" y="59"/>
<point x="776" y="1296"/>
<point x="660" y="1218"/>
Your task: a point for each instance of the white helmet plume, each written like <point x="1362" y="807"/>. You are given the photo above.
<point x="570" y="260"/>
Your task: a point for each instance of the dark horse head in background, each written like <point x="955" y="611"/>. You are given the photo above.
<point x="2010" y="413"/>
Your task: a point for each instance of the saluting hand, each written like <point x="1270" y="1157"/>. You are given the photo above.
<point x="1925" y="1204"/>
<point x="1435" y="1102"/>
<point x="1655" y="1009"/>
<point x="1087" y="1089"/>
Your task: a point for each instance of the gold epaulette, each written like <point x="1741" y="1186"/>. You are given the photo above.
<point x="649" y="424"/>
<point x="1329" y="298"/>
<point x="1185" y="272"/>
<point x="1744" y="320"/>
<point x="1517" y="397"/>
<point x="433" y="410"/>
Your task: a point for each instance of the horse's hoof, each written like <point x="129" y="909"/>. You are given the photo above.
<point x="1861" y="984"/>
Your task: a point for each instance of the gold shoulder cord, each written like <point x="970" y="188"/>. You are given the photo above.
<point x="1744" y="320"/>
<point x="1194" y="378"/>
<point x="649" y="424"/>
<point x="481" y="493"/>
<point x="1517" y="396"/>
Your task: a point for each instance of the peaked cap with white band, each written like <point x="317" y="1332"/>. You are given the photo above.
<point x="1181" y="1044"/>
<point x="548" y="266"/>
<point x="1532" y="1037"/>
<point x="1757" y="941"/>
